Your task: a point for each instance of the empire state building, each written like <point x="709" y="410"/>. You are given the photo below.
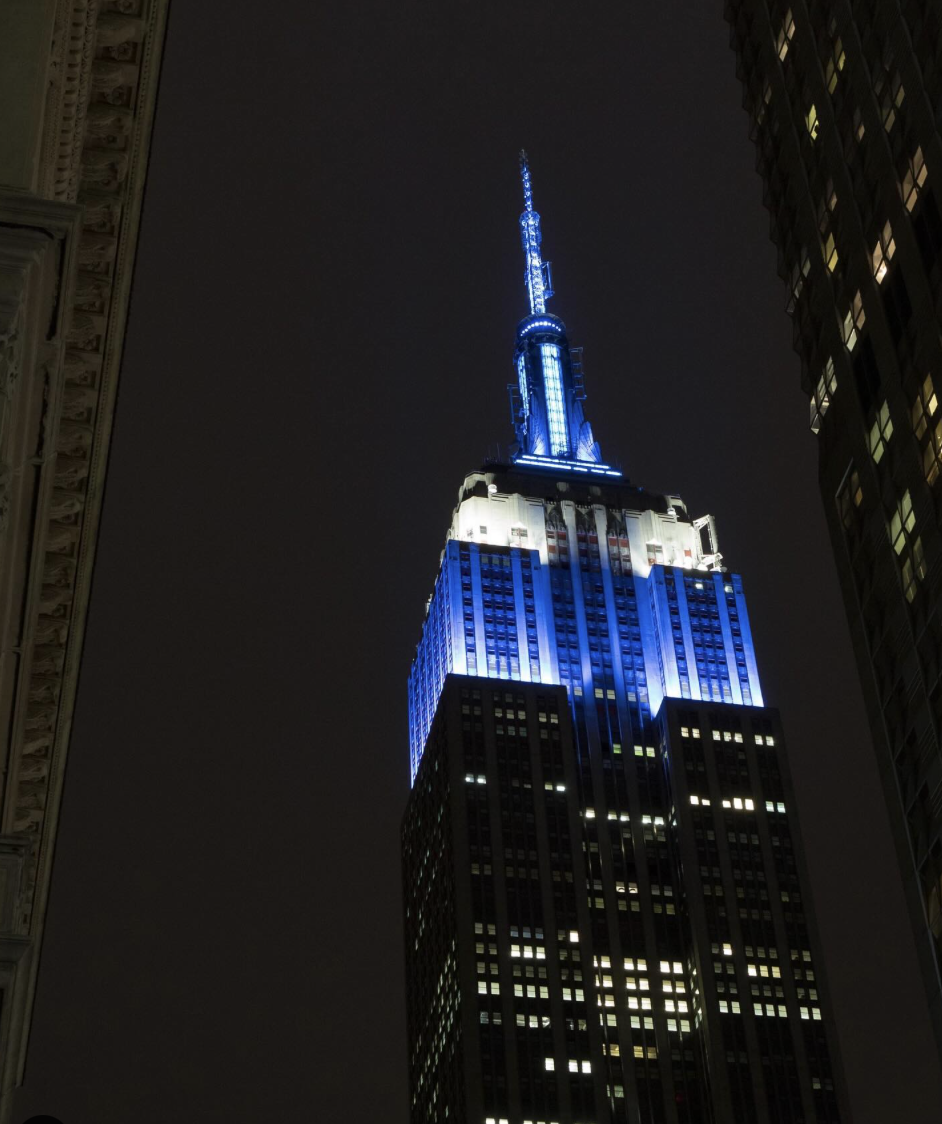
<point x="607" y="914"/>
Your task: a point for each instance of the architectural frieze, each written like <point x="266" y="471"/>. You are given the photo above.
<point x="66" y="260"/>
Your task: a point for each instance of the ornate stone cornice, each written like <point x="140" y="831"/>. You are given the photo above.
<point x="103" y="74"/>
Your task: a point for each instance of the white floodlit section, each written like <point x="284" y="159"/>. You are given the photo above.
<point x="553" y="393"/>
<point x="654" y="537"/>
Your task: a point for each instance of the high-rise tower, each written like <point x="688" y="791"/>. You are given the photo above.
<point x="605" y="905"/>
<point x="844" y="102"/>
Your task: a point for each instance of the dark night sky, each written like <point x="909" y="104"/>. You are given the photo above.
<point x="327" y="287"/>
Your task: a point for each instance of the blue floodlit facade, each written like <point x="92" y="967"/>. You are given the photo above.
<point x="627" y="596"/>
<point x="605" y="914"/>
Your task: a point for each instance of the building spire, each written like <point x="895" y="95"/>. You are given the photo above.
<point x="546" y="400"/>
<point x="537" y="277"/>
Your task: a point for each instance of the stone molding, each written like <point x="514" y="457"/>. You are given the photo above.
<point x="66" y="263"/>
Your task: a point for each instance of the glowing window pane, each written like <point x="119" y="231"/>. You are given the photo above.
<point x="522" y="379"/>
<point x="553" y="387"/>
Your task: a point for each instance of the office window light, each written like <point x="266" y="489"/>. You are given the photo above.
<point x="880" y="432"/>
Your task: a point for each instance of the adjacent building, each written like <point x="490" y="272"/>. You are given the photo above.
<point x="606" y="912"/>
<point x="844" y="103"/>
<point x="78" y="82"/>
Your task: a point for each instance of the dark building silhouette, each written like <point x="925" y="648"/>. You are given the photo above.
<point x="844" y="102"/>
<point x="606" y="914"/>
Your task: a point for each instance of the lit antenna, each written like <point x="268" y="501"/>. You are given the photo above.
<point x="537" y="277"/>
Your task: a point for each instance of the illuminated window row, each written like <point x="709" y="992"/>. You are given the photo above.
<point x="764" y="970"/>
<point x="528" y="952"/>
<point x="574" y="1065"/>
<point x="531" y="992"/>
<point x="727" y="736"/>
<point x="770" y="1010"/>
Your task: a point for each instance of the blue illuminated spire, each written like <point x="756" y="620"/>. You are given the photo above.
<point x="537" y="277"/>
<point x="547" y="398"/>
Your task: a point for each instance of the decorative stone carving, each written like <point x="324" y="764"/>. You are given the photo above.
<point x="102" y="211"/>
<point x="46" y="661"/>
<point x="81" y="368"/>
<point x="77" y="401"/>
<point x="61" y="538"/>
<point x="91" y="291"/>
<point x="109" y="78"/>
<point x="70" y="472"/>
<point x="103" y="167"/>
<point x="115" y="29"/>
<point x="65" y="505"/>
<point x="49" y="631"/>
<point x="95" y="141"/>
<point x="53" y="602"/>
<point x="70" y="71"/>
<point x="108" y="124"/>
<point x="85" y="330"/>
<point x="74" y="440"/>
<point x="97" y="250"/>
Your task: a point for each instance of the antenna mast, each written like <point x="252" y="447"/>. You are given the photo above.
<point x="537" y="276"/>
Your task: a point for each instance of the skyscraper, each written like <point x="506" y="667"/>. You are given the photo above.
<point x="78" y="89"/>
<point x="606" y="911"/>
<point x="844" y="102"/>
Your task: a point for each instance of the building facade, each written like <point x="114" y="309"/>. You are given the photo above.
<point x="844" y="102"/>
<point x="78" y="82"/>
<point x="606" y="911"/>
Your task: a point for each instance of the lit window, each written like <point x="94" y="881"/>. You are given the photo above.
<point x="883" y="253"/>
<point x="914" y="569"/>
<point x="821" y="399"/>
<point x="859" y="128"/>
<point x="812" y="123"/>
<point x="890" y="94"/>
<point x="880" y="432"/>
<point x="829" y="251"/>
<point x="797" y="284"/>
<point x="902" y="522"/>
<point x="553" y="391"/>
<point x="835" y="63"/>
<point x="522" y="382"/>
<point x="924" y="409"/>
<point x="849" y="499"/>
<point x="854" y="321"/>
<point x="550" y="1064"/>
<point x="913" y="179"/>
<point x="785" y="35"/>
